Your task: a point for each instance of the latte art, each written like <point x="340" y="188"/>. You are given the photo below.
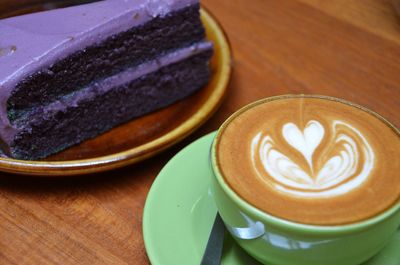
<point x="311" y="159"/>
<point x="349" y="160"/>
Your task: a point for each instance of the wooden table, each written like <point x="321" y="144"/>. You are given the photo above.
<point x="343" y="48"/>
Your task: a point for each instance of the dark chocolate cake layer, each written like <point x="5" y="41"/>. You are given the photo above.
<point x="47" y="131"/>
<point x="118" y="52"/>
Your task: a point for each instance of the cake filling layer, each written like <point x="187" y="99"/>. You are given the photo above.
<point x="112" y="55"/>
<point x="113" y="101"/>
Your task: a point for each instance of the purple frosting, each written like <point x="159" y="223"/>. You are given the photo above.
<point x="31" y="42"/>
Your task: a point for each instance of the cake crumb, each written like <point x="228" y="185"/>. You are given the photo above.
<point x="8" y="50"/>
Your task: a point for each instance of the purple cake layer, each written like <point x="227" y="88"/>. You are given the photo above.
<point x="115" y="100"/>
<point x="32" y="42"/>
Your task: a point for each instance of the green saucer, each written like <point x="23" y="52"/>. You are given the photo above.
<point x="180" y="211"/>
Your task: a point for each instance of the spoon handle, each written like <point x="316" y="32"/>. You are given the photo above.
<point x="212" y="254"/>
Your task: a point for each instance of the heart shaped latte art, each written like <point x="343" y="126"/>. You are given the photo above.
<point x="344" y="170"/>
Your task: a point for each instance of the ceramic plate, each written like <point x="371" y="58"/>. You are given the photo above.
<point x="180" y="211"/>
<point x="142" y="137"/>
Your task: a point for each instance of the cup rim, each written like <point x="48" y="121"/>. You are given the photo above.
<point x="281" y="222"/>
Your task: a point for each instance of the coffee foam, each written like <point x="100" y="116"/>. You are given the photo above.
<point x="311" y="160"/>
<point x="348" y="165"/>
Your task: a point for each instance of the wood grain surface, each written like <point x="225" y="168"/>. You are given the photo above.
<point x="346" y="48"/>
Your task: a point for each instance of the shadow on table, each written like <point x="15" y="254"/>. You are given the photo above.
<point x="134" y="175"/>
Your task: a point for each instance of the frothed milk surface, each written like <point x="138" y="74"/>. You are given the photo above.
<point x="311" y="160"/>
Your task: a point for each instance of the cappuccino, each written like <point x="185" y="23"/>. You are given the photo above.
<point x="311" y="159"/>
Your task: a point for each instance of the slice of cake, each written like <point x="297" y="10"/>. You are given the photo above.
<point x="69" y="74"/>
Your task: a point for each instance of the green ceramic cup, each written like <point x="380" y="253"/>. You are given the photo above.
<point x="276" y="241"/>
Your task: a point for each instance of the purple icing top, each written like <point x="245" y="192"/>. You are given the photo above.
<point x="31" y="42"/>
